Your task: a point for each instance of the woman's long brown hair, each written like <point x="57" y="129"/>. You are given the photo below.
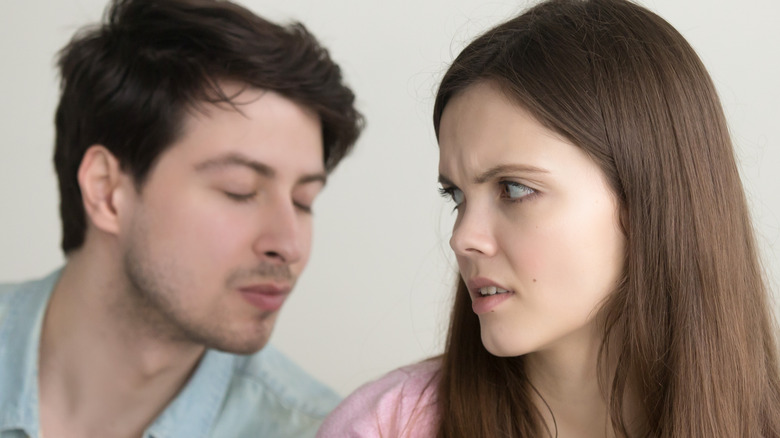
<point x="690" y="326"/>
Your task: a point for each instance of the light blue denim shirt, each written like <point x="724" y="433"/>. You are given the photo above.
<point x="262" y="395"/>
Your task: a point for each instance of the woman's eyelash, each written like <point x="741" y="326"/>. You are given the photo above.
<point x="445" y="192"/>
<point x="452" y="194"/>
<point x="516" y="191"/>
<point x="511" y="191"/>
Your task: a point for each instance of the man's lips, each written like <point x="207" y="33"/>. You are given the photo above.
<point x="267" y="297"/>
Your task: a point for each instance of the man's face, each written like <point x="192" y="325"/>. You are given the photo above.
<point x="221" y="228"/>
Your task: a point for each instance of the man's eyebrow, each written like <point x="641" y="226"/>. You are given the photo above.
<point x="321" y="177"/>
<point x="495" y="171"/>
<point x="236" y="160"/>
<point x="256" y="166"/>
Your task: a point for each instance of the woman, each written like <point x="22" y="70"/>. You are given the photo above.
<point x="609" y="280"/>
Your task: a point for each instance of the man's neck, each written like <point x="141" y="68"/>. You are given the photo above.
<point x="102" y="374"/>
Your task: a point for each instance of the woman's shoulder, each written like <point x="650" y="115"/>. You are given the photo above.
<point x="412" y="381"/>
<point x="399" y="404"/>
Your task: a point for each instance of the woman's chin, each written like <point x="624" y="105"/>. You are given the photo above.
<point x="499" y="346"/>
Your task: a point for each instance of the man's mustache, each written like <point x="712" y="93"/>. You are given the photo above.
<point x="267" y="271"/>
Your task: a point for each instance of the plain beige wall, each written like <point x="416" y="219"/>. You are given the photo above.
<point x="376" y="293"/>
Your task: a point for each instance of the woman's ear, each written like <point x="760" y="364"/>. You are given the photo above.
<point x="102" y="185"/>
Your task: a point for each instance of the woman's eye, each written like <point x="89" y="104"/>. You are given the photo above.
<point x="516" y="191"/>
<point x="452" y="193"/>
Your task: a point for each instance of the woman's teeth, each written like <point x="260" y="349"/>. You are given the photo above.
<point x="491" y="290"/>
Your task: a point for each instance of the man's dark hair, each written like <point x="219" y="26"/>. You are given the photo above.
<point x="128" y="83"/>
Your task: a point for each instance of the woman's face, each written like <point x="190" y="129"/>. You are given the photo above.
<point x="537" y="234"/>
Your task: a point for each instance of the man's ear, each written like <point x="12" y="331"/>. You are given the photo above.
<point x="103" y="186"/>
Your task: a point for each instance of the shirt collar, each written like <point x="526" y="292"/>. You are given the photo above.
<point x="20" y="334"/>
<point x="192" y="413"/>
<point x="195" y="410"/>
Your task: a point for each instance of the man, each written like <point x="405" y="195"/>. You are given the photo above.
<point x="192" y="139"/>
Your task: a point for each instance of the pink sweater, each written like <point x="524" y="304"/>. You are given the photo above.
<point x="399" y="405"/>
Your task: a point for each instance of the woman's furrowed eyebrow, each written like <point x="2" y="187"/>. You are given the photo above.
<point x="495" y="171"/>
<point x="506" y="168"/>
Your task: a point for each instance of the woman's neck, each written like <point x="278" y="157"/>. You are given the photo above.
<point x="570" y="385"/>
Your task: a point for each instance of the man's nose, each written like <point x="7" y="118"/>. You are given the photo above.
<point x="280" y="238"/>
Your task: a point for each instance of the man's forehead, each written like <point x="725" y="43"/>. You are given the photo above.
<point x="228" y="95"/>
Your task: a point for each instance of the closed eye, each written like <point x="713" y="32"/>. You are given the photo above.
<point x="303" y="207"/>
<point x="241" y="197"/>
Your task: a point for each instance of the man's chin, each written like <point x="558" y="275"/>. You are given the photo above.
<point x="240" y="346"/>
<point x="248" y="339"/>
<point x="243" y="336"/>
